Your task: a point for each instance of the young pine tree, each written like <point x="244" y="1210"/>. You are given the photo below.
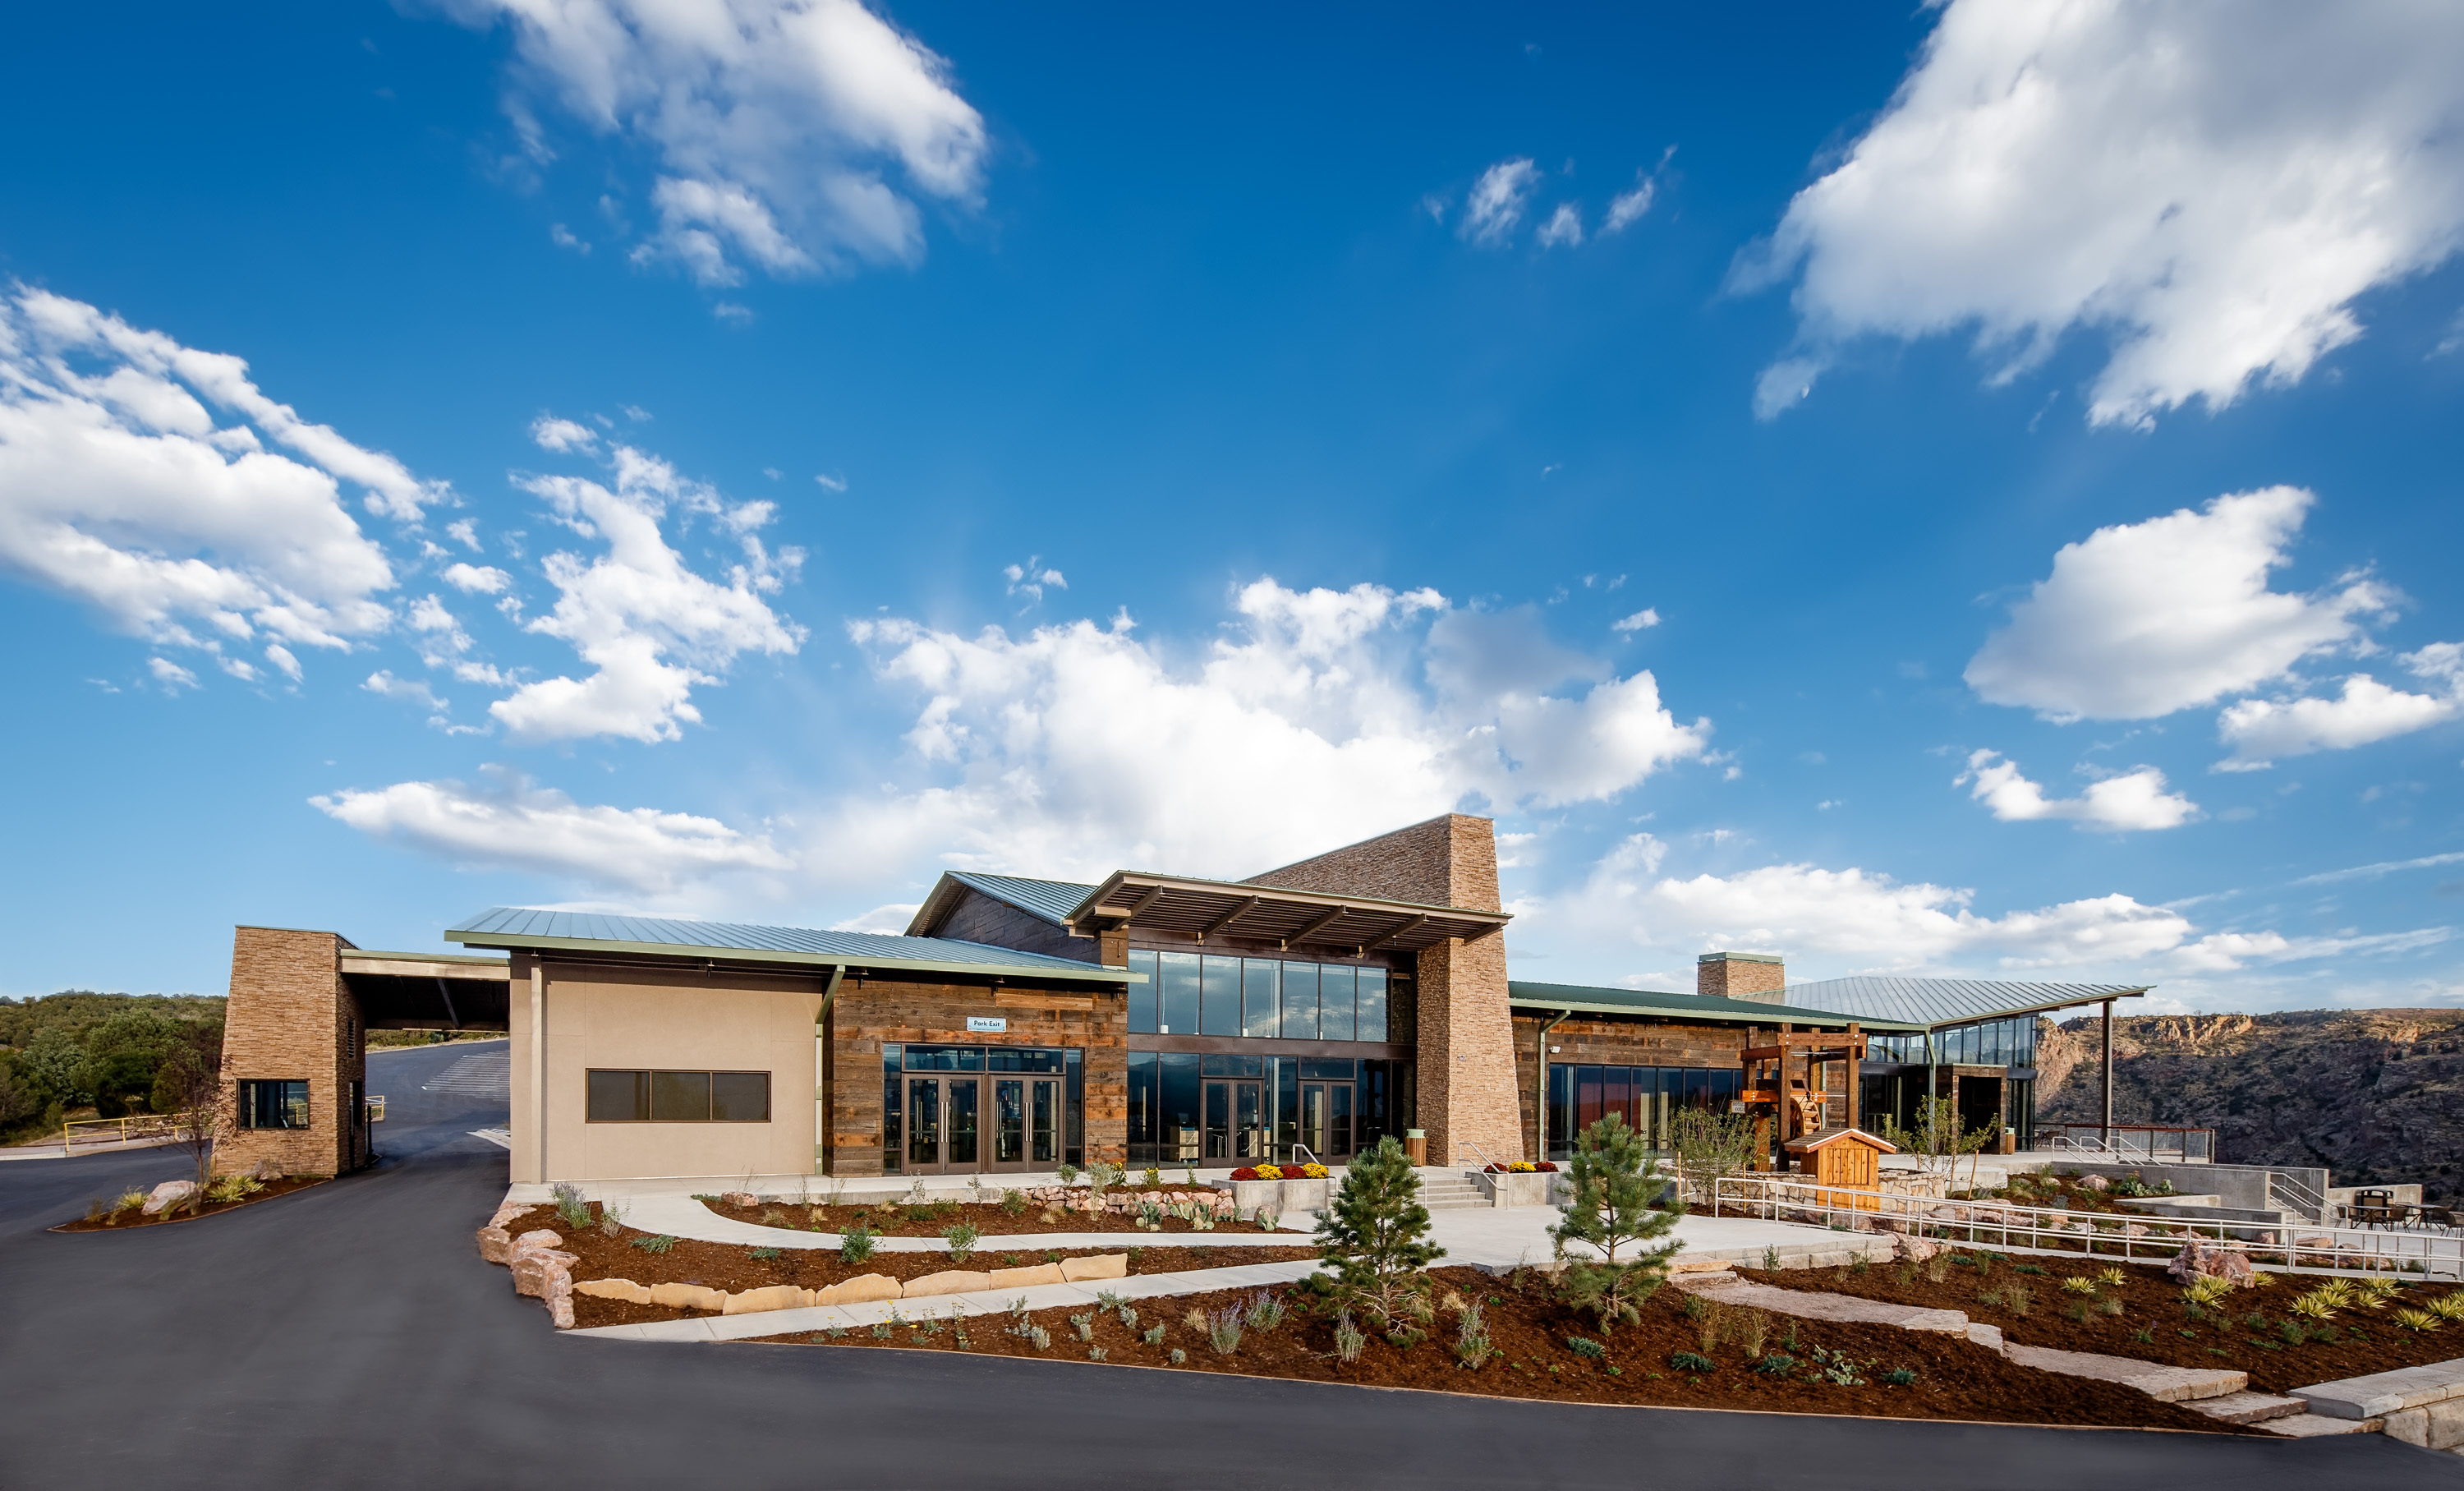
<point x="1615" y="1180"/>
<point x="1375" y="1235"/>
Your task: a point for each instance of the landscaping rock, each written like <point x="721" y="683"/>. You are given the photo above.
<point x="773" y="1297"/>
<point x="1027" y="1277"/>
<point x="2310" y="1426"/>
<point x="624" y="1289"/>
<point x="1109" y="1265"/>
<point x="543" y="1273"/>
<point x="1907" y="1249"/>
<point x="531" y="1241"/>
<point x="2381" y="1394"/>
<point x="859" y="1290"/>
<point x="741" y="1198"/>
<point x="559" y="1312"/>
<point x="264" y="1169"/>
<point x="954" y="1281"/>
<point x="509" y="1211"/>
<point x="2248" y="1407"/>
<point x="2165" y="1384"/>
<point x="169" y="1194"/>
<point x="688" y="1296"/>
<point x="2198" y="1259"/>
<point x="497" y="1245"/>
<point x="2094" y="1183"/>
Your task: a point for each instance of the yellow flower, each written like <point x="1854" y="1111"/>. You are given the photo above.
<point x="1269" y="1172"/>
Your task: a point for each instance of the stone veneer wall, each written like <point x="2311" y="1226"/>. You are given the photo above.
<point x="1741" y="975"/>
<point x="291" y="1016"/>
<point x="1464" y="1045"/>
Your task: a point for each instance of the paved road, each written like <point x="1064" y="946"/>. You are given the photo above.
<point x="349" y="1336"/>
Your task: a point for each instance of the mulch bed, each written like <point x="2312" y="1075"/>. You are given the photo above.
<point x="1954" y="1379"/>
<point x="131" y="1218"/>
<point x="926" y="1219"/>
<point x="2248" y="1333"/>
<point x="731" y="1265"/>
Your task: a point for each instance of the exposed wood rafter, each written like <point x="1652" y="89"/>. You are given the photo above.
<point x="1230" y="916"/>
<point x="1308" y="933"/>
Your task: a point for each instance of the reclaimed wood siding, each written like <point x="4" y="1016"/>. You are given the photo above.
<point x="875" y="1010"/>
<point x="980" y="918"/>
<point x="1608" y="1040"/>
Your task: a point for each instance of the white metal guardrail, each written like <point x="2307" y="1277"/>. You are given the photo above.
<point x="2153" y="1143"/>
<point x="2006" y="1224"/>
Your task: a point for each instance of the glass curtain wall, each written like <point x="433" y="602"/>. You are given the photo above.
<point x="1190" y="993"/>
<point x="967" y="1063"/>
<point x="1333" y="1106"/>
<point x="1647" y="1098"/>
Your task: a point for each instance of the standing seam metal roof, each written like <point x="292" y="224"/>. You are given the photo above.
<point x="1052" y="901"/>
<point x="524" y="926"/>
<point x="1671" y="1006"/>
<point x="1947" y="1001"/>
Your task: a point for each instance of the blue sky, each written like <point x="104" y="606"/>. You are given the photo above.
<point x="1965" y="489"/>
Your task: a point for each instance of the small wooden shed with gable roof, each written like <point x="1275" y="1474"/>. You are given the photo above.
<point x="1849" y="1158"/>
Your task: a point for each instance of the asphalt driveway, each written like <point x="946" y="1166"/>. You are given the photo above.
<point x="350" y="1336"/>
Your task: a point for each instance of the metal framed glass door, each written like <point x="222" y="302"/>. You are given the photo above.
<point x="1326" y="1120"/>
<point x="1235" y="1122"/>
<point x="924" y="1125"/>
<point x="1025" y="1123"/>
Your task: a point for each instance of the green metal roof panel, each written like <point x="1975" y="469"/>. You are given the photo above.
<point x="524" y="926"/>
<point x="1691" y="1007"/>
<point x="1052" y="901"/>
<point x="1934" y="1002"/>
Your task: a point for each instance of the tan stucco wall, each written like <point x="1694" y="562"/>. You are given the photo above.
<point x="651" y="1019"/>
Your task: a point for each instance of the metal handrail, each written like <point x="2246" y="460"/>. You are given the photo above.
<point x="153" y="1125"/>
<point x="1299" y="1147"/>
<point x="2016" y="1225"/>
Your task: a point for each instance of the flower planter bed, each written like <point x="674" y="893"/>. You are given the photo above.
<point x="2359" y="1341"/>
<point x="129" y="1218"/>
<point x="898" y="1218"/>
<point x="731" y="1267"/>
<point x="1954" y="1379"/>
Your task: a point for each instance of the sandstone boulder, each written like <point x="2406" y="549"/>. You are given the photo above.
<point x="169" y="1194"/>
<point x="772" y="1296"/>
<point x="264" y="1169"/>
<point x="496" y="1245"/>
<point x="542" y="1273"/>
<point x="1906" y="1249"/>
<point x="2094" y="1183"/>
<point x="1108" y="1265"/>
<point x="954" y="1281"/>
<point x="532" y="1241"/>
<point x="688" y="1296"/>
<point x="860" y="1289"/>
<point x="559" y="1312"/>
<point x="2201" y="1260"/>
<point x="739" y="1198"/>
<point x="1025" y="1278"/>
<point x="624" y="1289"/>
<point x="509" y="1211"/>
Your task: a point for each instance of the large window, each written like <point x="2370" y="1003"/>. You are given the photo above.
<point x="274" y="1104"/>
<point x="1647" y="1098"/>
<point x="971" y="1065"/>
<point x="618" y="1097"/>
<point x="1189" y="993"/>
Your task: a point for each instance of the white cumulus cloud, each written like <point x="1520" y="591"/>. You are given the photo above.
<point x="774" y="123"/>
<point x="2142" y="619"/>
<point x="1326" y="716"/>
<point x="2210" y="185"/>
<point x="1627" y="207"/>
<point x="478" y="579"/>
<point x="136" y="476"/>
<point x="1496" y="203"/>
<point x="1563" y="228"/>
<point x="551" y="433"/>
<point x="2260" y="730"/>
<point x="649" y="626"/>
<point x="508" y="823"/>
<point x="2134" y="799"/>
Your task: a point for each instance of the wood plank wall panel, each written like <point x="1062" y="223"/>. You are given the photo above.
<point x="874" y="1011"/>
<point x="1609" y="1040"/>
<point x="977" y="918"/>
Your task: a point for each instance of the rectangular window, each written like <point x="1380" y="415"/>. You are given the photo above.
<point x="1300" y="1001"/>
<point x="274" y="1104"/>
<point x="1073" y="1082"/>
<point x="1260" y="1009"/>
<point x="621" y="1097"/>
<point x="1561" y="1111"/>
<point x="1142" y="996"/>
<point x="1372" y="1005"/>
<point x="1220" y="1015"/>
<point x="1177" y="973"/>
<point x="893" y="1105"/>
<point x="1334" y="983"/>
<point x="1142" y="1101"/>
<point x="1182" y="1092"/>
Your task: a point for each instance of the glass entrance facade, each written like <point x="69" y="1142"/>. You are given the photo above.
<point x="1191" y="993"/>
<point x="955" y="1110"/>
<point x="1188" y="1109"/>
<point x="1646" y="1097"/>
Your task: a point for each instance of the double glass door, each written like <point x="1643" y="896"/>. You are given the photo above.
<point x="1235" y="1123"/>
<point x="966" y="1124"/>
<point x="1326" y="1120"/>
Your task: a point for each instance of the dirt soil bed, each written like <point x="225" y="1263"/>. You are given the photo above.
<point x="2253" y="1330"/>
<point x="901" y="1219"/>
<point x="131" y="1217"/>
<point x="730" y="1266"/>
<point x="1954" y="1378"/>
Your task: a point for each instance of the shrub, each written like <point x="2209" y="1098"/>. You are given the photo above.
<point x="1108" y="1299"/>
<point x="1688" y="1362"/>
<point x="1153" y="1178"/>
<point x="2418" y="1320"/>
<point x="1068" y="1172"/>
<point x="1224" y="1330"/>
<point x="233" y="1188"/>
<point x="763" y="1254"/>
<point x="129" y="1201"/>
<point x="772" y="1216"/>
<point x="1375" y="1235"/>
<point x="1472" y="1345"/>
<point x="1753" y="1328"/>
<point x="1585" y="1347"/>
<point x="855" y="1244"/>
<point x="1835" y="1367"/>
<point x="1711" y="1327"/>
<point x="2373" y="1294"/>
<point x="662" y="1243"/>
<point x="1084" y="1322"/>
<point x="961" y="1238"/>
<point x="1094" y="1353"/>
<point x="1179" y="1356"/>
<point x="1775" y="1365"/>
<point x="2112" y="1275"/>
<point x="1013" y="1202"/>
<point x="1771" y="1256"/>
<point x="1937" y="1268"/>
<point x="2447" y="1306"/>
<point x="2016" y="1299"/>
<point x="1266" y="1312"/>
<point x="1154" y="1335"/>
<point x="1040" y="1337"/>
<point x="1615" y="1181"/>
<point x="1901" y="1377"/>
<point x="1349" y="1338"/>
<point x="2205" y="1290"/>
<point x="2077" y="1285"/>
<point x="570" y="1206"/>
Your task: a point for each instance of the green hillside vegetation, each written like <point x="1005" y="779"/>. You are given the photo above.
<point x="78" y="1051"/>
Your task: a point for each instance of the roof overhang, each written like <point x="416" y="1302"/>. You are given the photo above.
<point x="1202" y="910"/>
<point x="428" y="991"/>
<point x="2047" y="1007"/>
<point x="1750" y="1014"/>
<point x="818" y="961"/>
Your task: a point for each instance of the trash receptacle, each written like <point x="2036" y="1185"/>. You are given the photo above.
<point x="1416" y="1143"/>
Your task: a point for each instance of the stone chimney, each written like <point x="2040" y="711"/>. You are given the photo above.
<point x="1758" y="976"/>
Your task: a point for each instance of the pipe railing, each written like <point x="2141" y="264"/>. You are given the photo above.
<point x="2149" y="1143"/>
<point x="2016" y="1225"/>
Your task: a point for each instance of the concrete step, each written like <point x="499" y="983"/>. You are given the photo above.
<point x="2311" y="1426"/>
<point x="2167" y="1384"/>
<point x="2248" y="1408"/>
